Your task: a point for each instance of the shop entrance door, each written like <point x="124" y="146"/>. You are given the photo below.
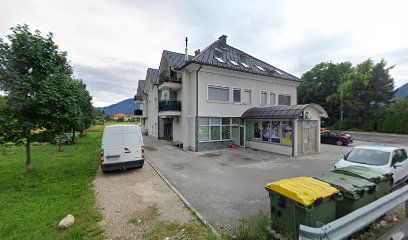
<point x="308" y="137"/>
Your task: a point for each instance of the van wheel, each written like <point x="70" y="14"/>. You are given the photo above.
<point x="339" y="142"/>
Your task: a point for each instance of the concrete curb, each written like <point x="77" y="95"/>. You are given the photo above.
<point x="186" y="202"/>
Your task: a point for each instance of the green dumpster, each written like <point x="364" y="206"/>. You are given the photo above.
<point x="383" y="181"/>
<point x="357" y="192"/>
<point x="301" y="200"/>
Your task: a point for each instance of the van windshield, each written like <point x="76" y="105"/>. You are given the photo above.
<point x="368" y="156"/>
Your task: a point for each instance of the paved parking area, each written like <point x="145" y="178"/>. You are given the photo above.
<point x="225" y="185"/>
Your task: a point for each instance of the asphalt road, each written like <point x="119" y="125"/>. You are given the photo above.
<point x="226" y="185"/>
<point x="383" y="138"/>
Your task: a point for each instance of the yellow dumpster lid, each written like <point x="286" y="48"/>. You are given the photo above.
<point x="304" y="190"/>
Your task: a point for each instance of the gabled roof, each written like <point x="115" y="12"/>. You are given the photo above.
<point x="227" y="53"/>
<point x="154" y="73"/>
<point x="176" y="60"/>
<point x="281" y="111"/>
<point x="140" y="87"/>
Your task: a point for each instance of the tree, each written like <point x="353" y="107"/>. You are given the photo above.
<point x="364" y="91"/>
<point x="321" y="82"/>
<point x="29" y="66"/>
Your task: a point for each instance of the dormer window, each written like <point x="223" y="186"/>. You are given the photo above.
<point x="233" y="62"/>
<point x="219" y="60"/>
<point x="245" y="65"/>
<point x="260" y="68"/>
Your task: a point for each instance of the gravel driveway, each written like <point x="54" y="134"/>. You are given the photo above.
<point x="134" y="202"/>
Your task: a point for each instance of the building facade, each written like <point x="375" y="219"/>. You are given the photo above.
<point x="199" y="101"/>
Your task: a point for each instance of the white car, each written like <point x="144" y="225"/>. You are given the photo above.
<point x="388" y="160"/>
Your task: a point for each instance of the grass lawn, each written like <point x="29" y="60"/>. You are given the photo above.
<point x="60" y="183"/>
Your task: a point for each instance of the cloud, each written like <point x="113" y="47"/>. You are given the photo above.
<point x="112" y="42"/>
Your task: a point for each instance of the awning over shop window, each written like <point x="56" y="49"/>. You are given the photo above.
<point x="281" y="111"/>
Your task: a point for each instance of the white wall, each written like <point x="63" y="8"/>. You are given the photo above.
<point x="234" y="79"/>
<point x="226" y="78"/>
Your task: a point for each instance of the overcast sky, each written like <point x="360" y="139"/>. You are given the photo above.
<point x="111" y="43"/>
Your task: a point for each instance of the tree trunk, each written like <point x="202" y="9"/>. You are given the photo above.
<point x="81" y="134"/>
<point x="60" y="143"/>
<point x="28" y="153"/>
<point x="73" y="136"/>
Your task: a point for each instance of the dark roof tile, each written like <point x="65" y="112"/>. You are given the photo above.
<point x="206" y="57"/>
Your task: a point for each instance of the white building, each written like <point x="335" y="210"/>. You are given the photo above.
<point x="199" y="101"/>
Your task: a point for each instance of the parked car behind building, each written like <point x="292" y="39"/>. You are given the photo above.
<point x="333" y="137"/>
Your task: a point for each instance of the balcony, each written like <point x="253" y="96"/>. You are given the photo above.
<point x="169" y="108"/>
<point x="138" y="99"/>
<point x="169" y="81"/>
<point x="138" y="112"/>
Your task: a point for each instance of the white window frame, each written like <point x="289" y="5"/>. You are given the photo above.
<point x="250" y="97"/>
<point x="220" y="125"/>
<point x="270" y="102"/>
<point x="260" y="98"/>
<point x="285" y="94"/>
<point x="217" y="86"/>
<point x="240" y="95"/>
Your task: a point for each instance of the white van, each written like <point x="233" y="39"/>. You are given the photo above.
<point x="122" y="147"/>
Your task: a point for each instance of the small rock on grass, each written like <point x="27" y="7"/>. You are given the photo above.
<point x="66" y="221"/>
<point x="383" y="223"/>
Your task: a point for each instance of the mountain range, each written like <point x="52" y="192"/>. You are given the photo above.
<point x="126" y="107"/>
<point x="402" y="91"/>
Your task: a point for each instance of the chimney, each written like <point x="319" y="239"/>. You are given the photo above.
<point x="196" y="52"/>
<point x="186" y="54"/>
<point x="223" y="40"/>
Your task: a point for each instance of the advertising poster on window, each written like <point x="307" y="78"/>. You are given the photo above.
<point x="266" y="131"/>
<point x="257" y="130"/>
<point x="249" y="130"/>
<point x="286" y="133"/>
<point x="275" y="132"/>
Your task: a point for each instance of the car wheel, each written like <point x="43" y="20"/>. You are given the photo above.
<point x="339" y="142"/>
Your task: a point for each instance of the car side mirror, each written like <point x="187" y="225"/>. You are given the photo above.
<point x="397" y="165"/>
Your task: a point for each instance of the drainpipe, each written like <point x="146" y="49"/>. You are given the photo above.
<point x="196" y="117"/>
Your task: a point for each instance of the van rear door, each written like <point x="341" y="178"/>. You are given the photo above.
<point x="113" y="147"/>
<point x="132" y="143"/>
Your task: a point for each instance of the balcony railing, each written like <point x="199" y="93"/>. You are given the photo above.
<point x="138" y="112"/>
<point x="169" y="105"/>
<point x="169" y="77"/>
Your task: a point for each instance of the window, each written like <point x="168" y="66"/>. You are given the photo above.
<point x="236" y="95"/>
<point x="219" y="60"/>
<point x="264" y="98"/>
<point x="247" y="97"/>
<point x="203" y="133"/>
<point x="218" y="94"/>
<point x="233" y="62"/>
<point x="215" y="132"/>
<point x="226" y="132"/>
<point x="284" y="99"/>
<point x="260" y="68"/>
<point x="235" y="121"/>
<point x="214" y="129"/>
<point x="245" y="65"/>
<point x="272" y="98"/>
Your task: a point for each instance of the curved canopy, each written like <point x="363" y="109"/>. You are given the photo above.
<point x="281" y="111"/>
